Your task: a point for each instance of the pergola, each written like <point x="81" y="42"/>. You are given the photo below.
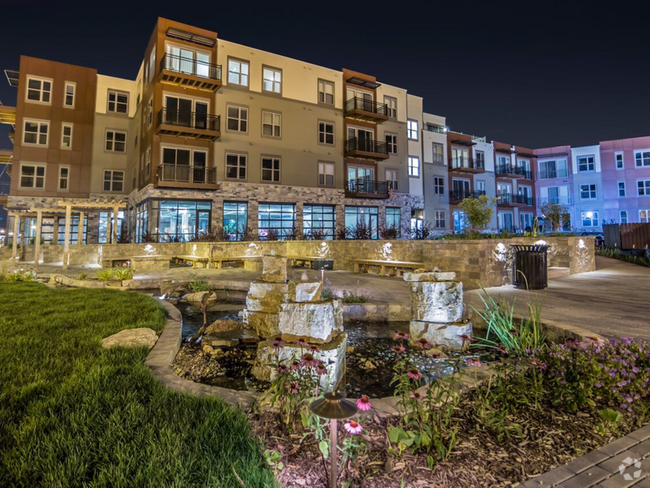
<point x="64" y="207"/>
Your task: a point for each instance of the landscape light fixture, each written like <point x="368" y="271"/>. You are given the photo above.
<point x="333" y="406"/>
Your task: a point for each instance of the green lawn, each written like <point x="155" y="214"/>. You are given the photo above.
<point x="72" y="413"/>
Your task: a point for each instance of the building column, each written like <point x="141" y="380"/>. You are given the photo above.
<point x="66" y="237"/>
<point x="298" y="219"/>
<point x="37" y="239"/>
<point x="114" y="226"/>
<point x="55" y="230"/>
<point x="14" y="243"/>
<point x="80" y="228"/>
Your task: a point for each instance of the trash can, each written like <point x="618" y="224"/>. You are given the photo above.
<point x="529" y="270"/>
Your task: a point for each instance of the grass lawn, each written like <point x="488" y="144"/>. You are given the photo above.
<point x="72" y="413"/>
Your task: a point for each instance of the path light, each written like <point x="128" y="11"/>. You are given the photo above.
<point x="333" y="406"/>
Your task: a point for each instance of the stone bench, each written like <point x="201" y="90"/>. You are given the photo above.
<point x="109" y="262"/>
<point x="149" y="263"/>
<point x="184" y="259"/>
<point x="392" y="266"/>
<point x="311" y="262"/>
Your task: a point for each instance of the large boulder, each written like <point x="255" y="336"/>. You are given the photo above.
<point x="198" y="296"/>
<point x="319" y="322"/>
<point x="307" y="291"/>
<point x="266" y="297"/>
<point x="449" y="335"/>
<point x="264" y="323"/>
<point x="437" y="301"/>
<point x="141" y="337"/>
<point x="275" y="269"/>
<point x="219" y="326"/>
<point x="430" y="276"/>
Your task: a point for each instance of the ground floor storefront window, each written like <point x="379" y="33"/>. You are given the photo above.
<point x="276" y="221"/>
<point x="106" y="226"/>
<point x="460" y="221"/>
<point x="319" y="221"/>
<point x="362" y="220"/>
<point x="235" y="220"/>
<point x="141" y="221"/>
<point x="180" y="220"/>
<point x="394" y="219"/>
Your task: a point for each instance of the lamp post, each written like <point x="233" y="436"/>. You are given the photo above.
<point x="333" y="406"/>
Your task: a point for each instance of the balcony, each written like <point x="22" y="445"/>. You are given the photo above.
<point x="559" y="200"/>
<point x="457" y="196"/>
<point x="7" y="115"/>
<point x="366" y="149"/>
<point x="507" y="171"/>
<point x="6" y="156"/>
<point x="467" y="165"/>
<point x="366" y="110"/>
<point x="510" y="200"/>
<point x="191" y="125"/>
<point x="187" y="176"/>
<point x="549" y="174"/>
<point x="188" y="72"/>
<point x="364" y="188"/>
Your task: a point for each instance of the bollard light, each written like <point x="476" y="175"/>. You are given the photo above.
<point x="333" y="406"/>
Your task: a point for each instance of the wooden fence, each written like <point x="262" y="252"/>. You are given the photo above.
<point x="627" y="236"/>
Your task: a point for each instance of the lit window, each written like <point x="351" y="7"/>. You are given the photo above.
<point x="118" y="102"/>
<point x="115" y="141"/>
<point x="439" y="185"/>
<point x="66" y="136"/>
<point x="586" y="163"/>
<point x="619" y="161"/>
<point x="440" y="221"/>
<point x="621" y="188"/>
<point x="319" y="221"/>
<point x="238" y="72"/>
<point x="587" y="192"/>
<point x="70" y="89"/>
<point x="235" y="220"/>
<point x="643" y="188"/>
<point x="326" y="92"/>
<point x="32" y="176"/>
<point x="236" y="166"/>
<point x="414" y="167"/>
<point x="394" y="219"/>
<point x="39" y="90"/>
<point x="642" y="158"/>
<point x="276" y="221"/>
<point x="272" y="80"/>
<point x="391" y="106"/>
<point x="64" y="177"/>
<point x="150" y="112"/>
<point x="113" y="180"/>
<point x="644" y="216"/>
<point x="271" y="169"/>
<point x="35" y="132"/>
<point x="271" y="124"/>
<point x="589" y="219"/>
<point x="326" y="133"/>
<point x="325" y="174"/>
<point x="412" y="129"/>
<point x="237" y="119"/>
<point x="391" y="143"/>
<point x="438" y="153"/>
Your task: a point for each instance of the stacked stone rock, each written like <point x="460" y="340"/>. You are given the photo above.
<point x="437" y="309"/>
<point x="279" y="308"/>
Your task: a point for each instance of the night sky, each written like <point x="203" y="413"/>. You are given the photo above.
<point x="529" y="73"/>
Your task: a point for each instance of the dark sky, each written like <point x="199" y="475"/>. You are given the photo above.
<point x="529" y="73"/>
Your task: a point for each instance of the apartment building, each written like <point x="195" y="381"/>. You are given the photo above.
<point x="515" y="190"/>
<point x="588" y="192"/>
<point x="212" y="135"/>
<point x="435" y="172"/>
<point x="554" y="179"/>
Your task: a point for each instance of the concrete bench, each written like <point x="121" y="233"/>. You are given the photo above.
<point x="307" y="261"/>
<point x="392" y="266"/>
<point x="109" y="262"/>
<point x="184" y="259"/>
<point x="218" y="262"/>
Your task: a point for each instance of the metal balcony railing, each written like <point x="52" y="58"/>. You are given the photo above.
<point x="459" y="195"/>
<point x="366" y="145"/>
<point x="466" y="163"/>
<point x="548" y="174"/>
<point x="190" y="120"/>
<point x="508" y="198"/>
<point x="559" y="200"/>
<point x="190" y="66"/>
<point x="180" y="173"/>
<point x="505" y="169"/>
<point x="367" y="105"/>
<point x="434" y="128"/>
<point x="367" y="186"/>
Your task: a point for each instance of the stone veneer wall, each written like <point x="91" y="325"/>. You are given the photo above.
<point x="486" y="262"/>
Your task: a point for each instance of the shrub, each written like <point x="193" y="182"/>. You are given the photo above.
<point x="478" y="211"/>
<point x="123" y="273"/>
<point x="422" y="232"/>
<point x="105" y="274"/>
<point x="556" y="214"/>
<point x="354" y="297"/>
<point x="390" y="232"/>
<point x="82" y="276"/>
<point x="198" y="284"/>
<point x="328" y="294"/>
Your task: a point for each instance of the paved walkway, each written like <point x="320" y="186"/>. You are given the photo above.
<point x="613" y="301"/>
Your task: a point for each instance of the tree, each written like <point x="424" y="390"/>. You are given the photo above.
<point x="478" y="211"/>
<point x="556" y="214"/>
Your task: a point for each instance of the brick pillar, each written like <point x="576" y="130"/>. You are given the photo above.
<point x="252" y="218"/>
<point x="217" y="215"/>
<point x="298" y="217"/>
<point x="340" y="217"/>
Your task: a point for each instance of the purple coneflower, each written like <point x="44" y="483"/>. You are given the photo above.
<point x="398" y="349"/>
<point x="301" y="342"/>
<point x="416" y="395"/>
<point x="414" y="374"/>
<point x="295" y="364"/>
<point x="474" y="362"/>
<point x="321" y="368"/>
<point x="364" y="404"/>
<point x="293" y="387"/>
<point x="466" y="338"/>
<point x="353" y="427"/>
<point x="423" y="343"/>
<point x="278" y="344"/>
<point x="282" y="368"/>
<point x="308" y="359"/>
<point x="401" y="336"/>
<point x="314" y="349"/>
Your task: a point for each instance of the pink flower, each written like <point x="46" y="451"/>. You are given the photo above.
<point x="398" y="349"/>
<point x="415" y="395"/>
<point x="364" y="404"/>
<point x="353" y="427"/>
<point x="466" y="338"/>
<point x="414" y="374"/>
<point x="597" y="340"/>
<point x="321" y="368"/>
<point x="295" y="364"/>
<point x="278" y="344"/>
<point x="314" y="349"/>
<point x="474" y="362"/>
<point x="282" y="368"/>
<point x="301" y="342"/>
<point x="422" y="343"/>
<point x="308" y="359"/>
<point x="401" y="336"/>
<point x="293" y="387"/>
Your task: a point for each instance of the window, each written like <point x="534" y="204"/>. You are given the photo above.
<point x="587" y="192"/>
<point x="326" y="133"/>
<point x="325" y="174"/>
<point x="276" y="220"/>
<point x="357" y="217"/>
<point x="644" y="216"/>
<point x="271" y="169"/>
<point x="150" y="113"/>
<point x="623" y="216"/>
<point x="236" y="166"/>
<point x="70" y="89"/>
<point x="621" y="188"/>
<point x="319" y="221"/>
<point x="66" y="136"/>
<point x="394" y="219"/>
<point x="325" y="92"/>
<point x="392" y="178"/>
<point x="553" y="169"/>
<point x="619" y="160"/>
<point x="479" y="187"/>
<point x="113" y="180"/>
<point x="440" y="219"/>
<point x="643" y="188"/>
<point x="180" y="220"/>
<point x="35" y="133"/>
<point x="152" y="64"/>
<point x="589" y="219"/>
<point x="271" y="124"/>
<point x="272" y="80"/>
<point x="64" y="177"/>
<point x="391" y="143"/>
<point x="586" y="163"/>
<point x="115" y="141"/>
<point x="412" y="129"/>
<point x="235" y="220"/>
<point x="439" y="185"/>
<point x="39" y="90"/>
<point x="391" y="106"/>
<point x="147" y="162"/>
<point x="479" y="159"/>
<point x="118" y="102"/>
<point x="32" y="176"/>
<point x="438" y="155"/>
<point x="414" y="167"/>
<point x="184" y="165"/>
<point x="238" y="72"/>
<point x="642" y="158"/>
<point x="237" y="119"/>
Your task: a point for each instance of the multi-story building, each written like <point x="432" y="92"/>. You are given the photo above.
<point x="515" y="187"/>
<point x="554" y="179"/>
<point x="587" y="188"/>
<point x="436" y="172"/>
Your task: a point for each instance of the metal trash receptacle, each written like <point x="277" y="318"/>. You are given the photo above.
<point x="529" y="270"/>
